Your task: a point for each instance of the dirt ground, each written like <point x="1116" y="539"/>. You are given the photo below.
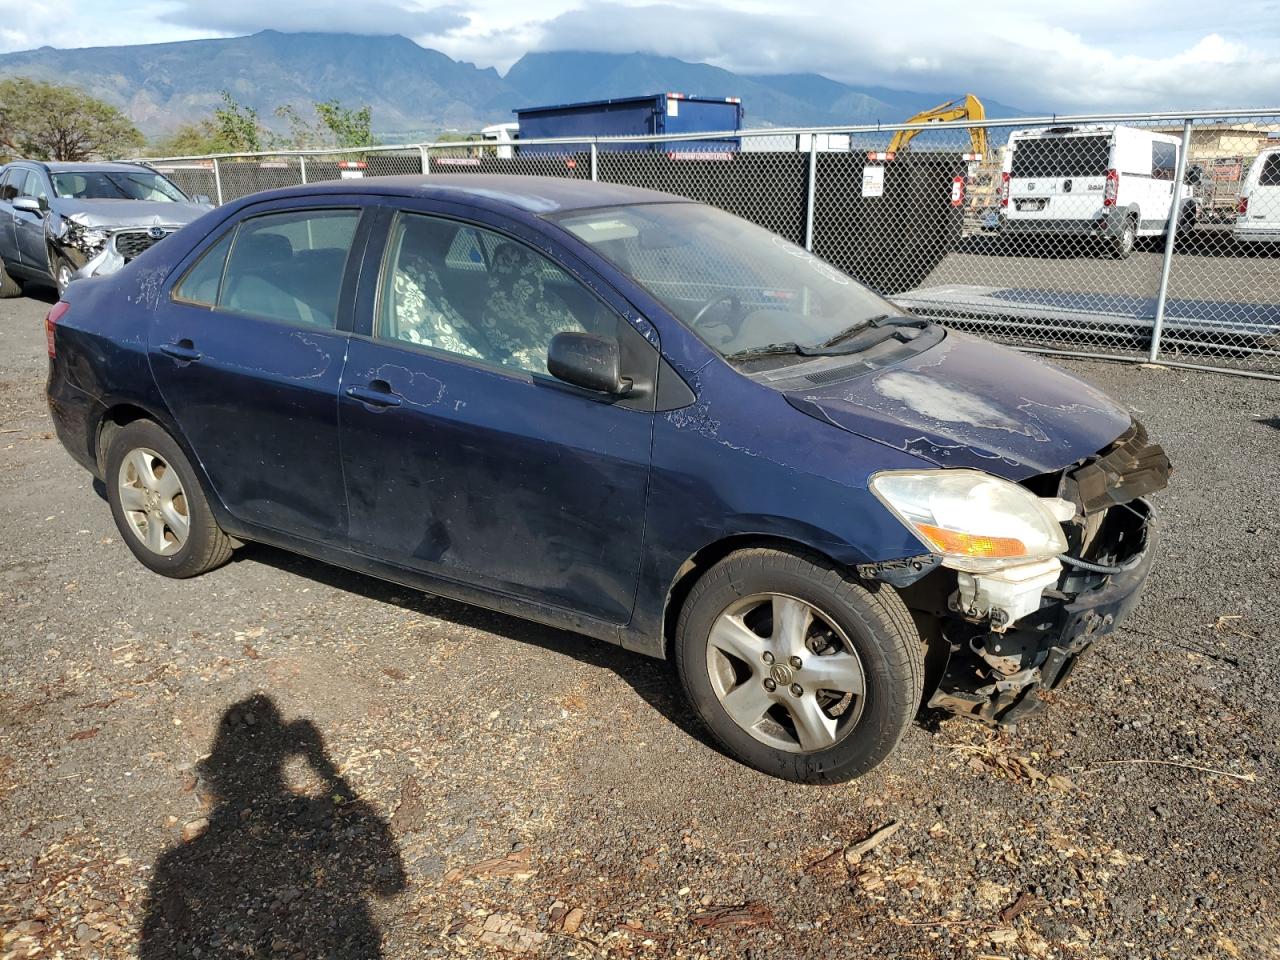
<point x="286" y="760"/>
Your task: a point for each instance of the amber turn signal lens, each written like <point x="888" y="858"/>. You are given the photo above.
<point x="970" y="544"/>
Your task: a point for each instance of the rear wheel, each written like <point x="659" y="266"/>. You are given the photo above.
<point x="158" y="505"/>
<point x="797" y="669"/>
<point x="1123" y="243"/>
<point x="9" y="287"/>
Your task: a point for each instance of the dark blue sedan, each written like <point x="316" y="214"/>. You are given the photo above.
<point x="624" y="414"/>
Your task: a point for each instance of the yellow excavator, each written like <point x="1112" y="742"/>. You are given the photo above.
<point x="967" y="108"/>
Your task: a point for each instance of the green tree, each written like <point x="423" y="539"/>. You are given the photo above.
<point x="237" y="126"/>
<point x="189" y="140"/>
<point x="48" y="121"/>
<point x="350" y="128"/>
<point x="336" y="126"/>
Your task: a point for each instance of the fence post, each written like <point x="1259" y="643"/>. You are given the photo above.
<point x="302" y="167"/>
<point x="217" y="181"/>
<point x="595" y="175"/>
<point x="811" y="195"/>
<point x="1171" y="236"/>
<point x="426" y="159"/>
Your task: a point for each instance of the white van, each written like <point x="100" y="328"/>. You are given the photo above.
<point x="1258" y="211"/>
<point x="1112" y="182"/>
<point x="504" y="135"/>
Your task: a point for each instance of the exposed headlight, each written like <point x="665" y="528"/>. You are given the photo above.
<point x="977" y="522"/>
<point x="95" y="238"/>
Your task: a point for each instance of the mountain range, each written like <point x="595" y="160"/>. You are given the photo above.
<point x="416" y="92"/>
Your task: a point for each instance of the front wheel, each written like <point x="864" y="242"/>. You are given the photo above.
<point x="798" y="669"/>
<point x="158" y="505"/>
<point x="63" y="273"/>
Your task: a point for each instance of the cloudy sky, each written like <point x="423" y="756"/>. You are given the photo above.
<point x="1057" y="55"/>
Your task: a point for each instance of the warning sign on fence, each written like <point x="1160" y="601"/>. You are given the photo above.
<point x="873" y="181"/>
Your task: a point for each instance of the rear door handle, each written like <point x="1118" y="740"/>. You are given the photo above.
<point x="183" y="351"/>
<point x="377" y="394"/>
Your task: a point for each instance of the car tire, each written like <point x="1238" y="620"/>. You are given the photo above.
<point x="159" y="506"/>
<point x="803" y="733"/>
<point x="9" y="287"/>
<point x="63" y="272"/>
<point x="1123" y="243"/>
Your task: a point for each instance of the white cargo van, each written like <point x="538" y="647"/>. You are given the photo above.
<point x="1258" y="212"/>
<point x="1112" y="182"/>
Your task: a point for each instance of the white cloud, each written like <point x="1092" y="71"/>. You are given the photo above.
<point x="1038" y="54"/>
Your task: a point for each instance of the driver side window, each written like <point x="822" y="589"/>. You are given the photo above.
<point x="478" y="294"/>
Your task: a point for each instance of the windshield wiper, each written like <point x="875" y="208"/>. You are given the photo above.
<point x="876" y="322"/>
<point x="865" y="335"/>
<point x="768" y="350"/>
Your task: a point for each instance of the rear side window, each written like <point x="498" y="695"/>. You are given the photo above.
<point x="1164" y="160"/>
<point x="1061" y="157"/>
<point x="204" y="280"/>
<point x="281" y="266"/>
<point x="1270" y="175"/>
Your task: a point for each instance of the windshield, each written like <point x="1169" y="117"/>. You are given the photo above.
<point x="736" y="285"/>
<point x="116" y="185"/>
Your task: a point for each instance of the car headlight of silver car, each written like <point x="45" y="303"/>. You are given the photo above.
<point x="977" y="522"/>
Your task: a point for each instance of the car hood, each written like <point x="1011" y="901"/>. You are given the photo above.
<point x="969" y="403"/>
<point x="114" y="214"/>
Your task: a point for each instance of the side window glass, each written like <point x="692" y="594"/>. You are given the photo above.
<point x="505" y="313"/>
<point x="204" y="279"/>
<point x="9" y="186"/>
<point x="23" y="183"/>
<point x="289" y="266"/>
<point x="1164" y="160"/>
<point x="1270" y="176"/>
<point x="36" y="187"/>
<point x="464" y="252"/>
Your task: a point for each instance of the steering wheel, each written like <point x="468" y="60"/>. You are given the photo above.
<point x="735" y="310"/>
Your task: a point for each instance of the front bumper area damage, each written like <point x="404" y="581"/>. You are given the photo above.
<point x="996" y="675"/>
<point x="998" y="639"/>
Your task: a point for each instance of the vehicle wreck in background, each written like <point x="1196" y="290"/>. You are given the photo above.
<point x="68" y="220"/>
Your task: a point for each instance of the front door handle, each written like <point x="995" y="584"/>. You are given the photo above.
<point x="184" y="351"/>
<point x="377" y="394"/>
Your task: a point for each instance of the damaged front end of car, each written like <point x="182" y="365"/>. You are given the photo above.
<point x="1003" y="628"/>
<point x="94" y="243"/>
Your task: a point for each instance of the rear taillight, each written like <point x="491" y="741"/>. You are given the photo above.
<point x="1004" y="189"/>
<point x="51" y="322"/>
<point x="1112" y="189"/>
<point x="1243" y="206"/>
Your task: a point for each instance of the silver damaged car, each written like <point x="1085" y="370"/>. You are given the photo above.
<point x="60" y="221"/>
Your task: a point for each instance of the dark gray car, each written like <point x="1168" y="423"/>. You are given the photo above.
<point x="59" y="221"/>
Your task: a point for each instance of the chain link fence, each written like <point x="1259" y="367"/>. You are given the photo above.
<point x="1128" y="237"/>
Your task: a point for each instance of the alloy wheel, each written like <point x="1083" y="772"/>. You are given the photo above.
<point x="153" y="501"/>
<point x="786" y="673"/>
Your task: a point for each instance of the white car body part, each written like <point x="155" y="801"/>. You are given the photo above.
<point x="1089" y="180"/>
<point x="1258" y="210"/>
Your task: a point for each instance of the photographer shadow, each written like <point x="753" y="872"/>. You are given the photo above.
<point x="277" y="872"/>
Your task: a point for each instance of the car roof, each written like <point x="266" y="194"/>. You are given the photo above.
<point x="537" y="195"/>
<point x="68" y="166"/>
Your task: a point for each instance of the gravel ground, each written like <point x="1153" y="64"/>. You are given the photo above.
<point x="286" y="760"/>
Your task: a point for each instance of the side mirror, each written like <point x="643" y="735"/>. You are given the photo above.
<point x="30" y="205"/>
<point x="588" y="360"/>
<point x="202" y="198"/>
<point x="1194" y="175"/>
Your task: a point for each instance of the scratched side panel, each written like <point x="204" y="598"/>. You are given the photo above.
<point x="260" y="411"/>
